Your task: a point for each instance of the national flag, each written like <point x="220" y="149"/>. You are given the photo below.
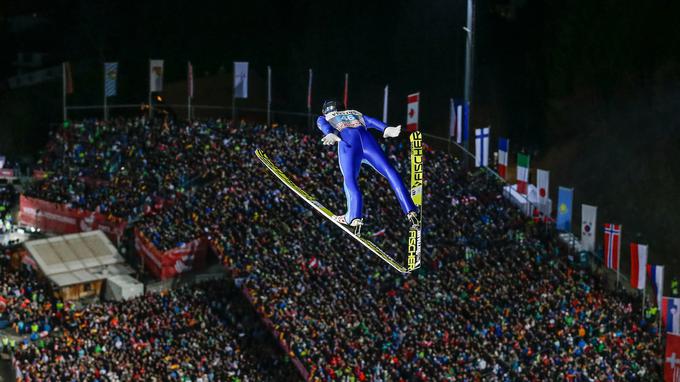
<point x="452" y="119"/>
<point x="155" y="75"/>
<point x="412" y="112"/>
<point x="670" y="314"/>
<point x="503" y="150"/>
<point x="522" y="173"/>
<point x="542" y="185"/>
<point x="387" y="91"/>
<point x="110" y="79"/>
<point x="671" y="364"/>
<point x="240" y="80"/>
<point x="2" y="161"/>
<point x="482" y="147"/>
<point x="68" y="78"/>
<point x="612" y="245"/>
<point x="638" y="265"/>
<point x="462" y="121"/>
<point x="190" y="80"/>
<point x="345" y="98"/>
<point x="565" y="198"/>
<point x="588" y="220"/>
<point x="655" y="275"/>
<point x="309" y="91"/>
<point x="379" y="233"/>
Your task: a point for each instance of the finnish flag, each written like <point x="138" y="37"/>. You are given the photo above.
<point x="482" y="147"/>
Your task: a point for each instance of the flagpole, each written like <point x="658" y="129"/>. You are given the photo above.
<point x="190" y="85"/>
<point x="150" y="108"/>
<point x="269" y="96"/>
<point x="386" y="95"/>
<point x="346" y="97"/>
<point x="309" y="100"/>
<point x="451" y="122"/>
<point x="469" y="52"/>
<point x="106" y="112"/>
<point x="63" y="90"/>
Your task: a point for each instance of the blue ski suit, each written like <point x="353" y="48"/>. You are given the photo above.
<point x="356" y="147"/>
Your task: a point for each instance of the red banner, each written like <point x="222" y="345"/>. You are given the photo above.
<point x="173" y="262"/>
<point x="59" y="219"/>
<point x="6" y="173"/>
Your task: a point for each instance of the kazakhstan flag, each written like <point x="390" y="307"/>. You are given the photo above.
<point x="565" y="199"/>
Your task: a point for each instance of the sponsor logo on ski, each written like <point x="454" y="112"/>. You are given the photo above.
<point x="413" y="249"/>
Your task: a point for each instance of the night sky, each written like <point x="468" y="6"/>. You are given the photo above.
<point x="528" y="52"/>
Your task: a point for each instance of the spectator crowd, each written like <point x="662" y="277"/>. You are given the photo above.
<point x="495" y="300"/>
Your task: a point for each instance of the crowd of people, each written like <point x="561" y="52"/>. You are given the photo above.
<point x="495" y="298"/>
<point x="126" y="168"/>
<point x="195" y="333"/>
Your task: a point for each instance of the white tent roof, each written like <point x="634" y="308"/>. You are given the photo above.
<point x="77" y="258"/>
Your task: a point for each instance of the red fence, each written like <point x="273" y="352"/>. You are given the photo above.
<point x="58" y="218"/>
<point x="173" y="262"/>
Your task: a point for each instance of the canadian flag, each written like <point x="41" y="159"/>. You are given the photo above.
<point x="412" y="112"/>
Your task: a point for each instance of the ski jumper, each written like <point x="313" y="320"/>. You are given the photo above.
<point x="356" y="147"/>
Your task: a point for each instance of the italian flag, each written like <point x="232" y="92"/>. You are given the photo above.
<point x="522" y="173"/>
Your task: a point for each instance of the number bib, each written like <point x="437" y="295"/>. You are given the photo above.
<point x="341" y="120"/>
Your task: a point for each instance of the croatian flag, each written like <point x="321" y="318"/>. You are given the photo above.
<point x="482" y="147"/>
<point x="612" y="247"/>
<point x="503" y="149"/>
<point x="412" y="112"/>
<point x="638" y="265"/>
<point x="670" y="314"/>
<point x="655" y="274"/>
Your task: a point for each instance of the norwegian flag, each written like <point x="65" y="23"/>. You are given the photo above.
<point x="412" y="112"/>
<point x="612" y="245"/>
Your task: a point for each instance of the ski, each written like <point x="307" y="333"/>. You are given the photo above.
<point x="326" y="212"/>
<point x="414" y="233"/>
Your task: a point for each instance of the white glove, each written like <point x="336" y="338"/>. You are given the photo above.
<point x="330" y="139"/>
<point x="392" y="132"/>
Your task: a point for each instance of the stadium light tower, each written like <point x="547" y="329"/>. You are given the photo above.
<point x="469" y="52"/>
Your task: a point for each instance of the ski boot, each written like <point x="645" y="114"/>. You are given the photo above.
<point x="413" y="219"/>
<point x="356" y="223"/>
